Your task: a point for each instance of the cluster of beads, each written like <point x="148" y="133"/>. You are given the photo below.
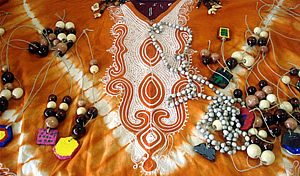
<point x="97" y="5"/>
<point x="83" y="116"/>
<point x="287" y="80"/>
<point x="208" y="57"/>
<point x="9" y="91"/>
<point x="53" y="118"/>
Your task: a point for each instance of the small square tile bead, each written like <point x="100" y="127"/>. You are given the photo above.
<point x="45" y="138"/>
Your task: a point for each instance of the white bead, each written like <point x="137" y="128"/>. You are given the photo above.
<point x="51" y="104"/>
<point x="64" y="106"/>
<point x="264" y="34"/>
<point x="81" y="111"/>
<point x="257" y="30"/>
<point x="218" y="125"/>
<point x="286" y="106"/>
<point x="238" y="56"/>
<point x="71" y="37"/>
<point x="60" y="24"/>
<point x="299" y="74"/>
<point x="61" y="36"/>
<point x="248" y="60"/>
<point x="252" y="131"/>
<point x="17" y="93"/>
<point x="70" y="25"/>
<point x="264" y="104"/>
<point x="94" y="69"/>
<point x="267" y="157"/>
<point x="6" y="93"/>
<point x="286" y="79"/>
<point x="2" y="31"/>
<point x="253" y="151"/>
<point x="272" y="99"/>
<point x="263" y="134"/>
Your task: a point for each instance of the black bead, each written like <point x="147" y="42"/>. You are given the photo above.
<point x="43" y="51"/>
<point x="47" y="31"/>
<point x="71" y="31"/>
<point x="296" y="115"/>
<point x="262" y="41"/>
<point x="237" y="93"/>
<point x="267" y="146"/>
<point x="49" y="112"/>
<point x="61" y="115"/>
<point x="67" y="99"/>
<point x="294" y="71"/>
<point x="251" y="90"/>
<point x="81" y="120"/>
<point x="92" y="112"/>
<point x="231" y="63"/>
<point x="251" y="41"/>
<point x="58" y="31"/>
<point x="8" y="77"/>
<point x="255" y="140"/>
<point x="262" y="83"/>
<point x="280" y="115"/>
<point x="207" y="60"/>
<point x="294" y="102"/>
<point x="275" y="130"/>
<point x="33" y="47"/>
<point x="52" y="97"/>
<point x="3" y="104"/>
<point x="78" y="131"/>
<point x="269" y="118"/>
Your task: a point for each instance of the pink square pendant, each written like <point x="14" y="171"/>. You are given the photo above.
<point x="45" y="138"/>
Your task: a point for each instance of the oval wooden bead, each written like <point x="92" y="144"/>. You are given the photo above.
<point x="61" y="36"/>
<point x="205" y="53"/>
<point x="253" y="151"/>
<point x="81" y="102"/>
<point x="291" y="123"/>
<point x="286" y="106"/>
<point x="248" y="60"/>
<point x="238" y="56"/>
<point x="268" y="90"/>
<point x="93" y="62"/>
<point x="2" y="31"/>
<point x="70" y="25"/>
<point x="61" y="48"/>
<point x="64" y="106"/>
<point x="264" y="34"/>
<point x="286" y="79"/>
<point x="264" y="105"/>
<point x="81" y="111"/>
<point x="6" y="93"/>
<point x="257" y="30"/>
<point x="17" y="93"/>
<point x="8" y="86"/>
<point x="263" y="134"/>
<point x="44" y="42"/>
<point x="272" y="99"/>
<point x="4" y="68"/>
<point x="267" y="157"/>
<point x="60" y="24"/>
<point x="252" y="101"/>
<point x="252" y="131"/>
<point x="51" y="104"/>
<point x="71" y="37"/>
<point x="217" y="125"/>
<point x="51" y="122"/>
<point x="94" y="69"/>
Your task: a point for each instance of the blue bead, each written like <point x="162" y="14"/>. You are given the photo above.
<point x="8" y="135"/>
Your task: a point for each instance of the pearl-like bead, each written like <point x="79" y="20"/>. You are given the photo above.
<point x="267" y="157"/>
<point x="286" y="106"/>
<point x="218" y="125"/>
<point x="248" y="60"/>
<point x="94" y="69"/>
<point x="70" y="25"/>
<point x="238" y="56"/>
<point x="60" y="24"/>
<point x="286" y="79"/>
<point x="264" y="34"/>
<point x="71" y="37"/>
<point x="51" y="104"/>
<point x="81" y="111"/>
<point x="257" y="30"/>
<point x="263" y="134"/>
<point x="6" y="93"/>
<point x="2" y="31"/>
<point x="272" y="99"/>
<point x="264" y="104"/>
<point x="252" y="131"/>
<point x="17" y="93"/>
<point x="253" y="151"/>
<point x="61" y="36"/>
<point x="64" y="106"/>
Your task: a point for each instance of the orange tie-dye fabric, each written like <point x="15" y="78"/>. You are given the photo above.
<point x="131" y="87"/>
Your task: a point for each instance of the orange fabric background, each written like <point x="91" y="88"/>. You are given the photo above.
<point x="100" y="153"/>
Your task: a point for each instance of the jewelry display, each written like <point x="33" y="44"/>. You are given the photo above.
<point x="105" y="4"/>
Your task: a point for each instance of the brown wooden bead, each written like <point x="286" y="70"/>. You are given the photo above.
<point x="81" y="102"/>
<point x="78" y="131"/>
<point x="215" y="57"/>
<point x="268" y="90"/>
<point x="44" y="42"/>
<point x="51" y="122"/>
<point x="49" y="112"/>
<point x="52" y="97"/>
<point x="93" y="62"/>
<point x="81" y="120"/>
<point x="252" y="101"/>
<point x="275" y="130"/>
<point x="205" y="53"/>
<point x="61" y="115"/>
<point x="51" y="36"/>
<point x="267" y="146"/>
<point x="255" y="140"/>
<point x="55" y="42"/>
<point x="67" y="99"/>
<point x="4" y="68"/>
<point x="92" y="112"/>
<point x="260" y="94"/>
<point x="61" y="48"/>
<point x="258" y="122"/>
<point x="8" y="86"/>
<point x="291" y="123"/>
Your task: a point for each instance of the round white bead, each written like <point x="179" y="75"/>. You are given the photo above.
<point x="17" y="93"/>
<point x="257" y="30"/>
<point x="299" y="74"/>
<point x="252" y="131"/>
<point x="94" y="69"/>
<point x="2" y="31"/>
<point x="218" y="125"/>
<point x="238" y="56"/>
<point x="51" y="104"/>
<point x="264" y="34"/>
<point x="272" y="99"/>
<point x="267" y="157"/>
<point x="286" y="106"/>
<point x="264" y="104"/>
<point x="286" y="79"/>
<point x="253" y="151"/>
<point x="263" y="134"/>
<point x="61" y="36"/>
<point x="60" y="24"/>
<point x="71" y="37"/>
<point x="248" y="60"/>
<point x="81" y="111"/>
<point x="70" y="25"/>
<point x="6" y="93"/>
<point x="64" y="106"/>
